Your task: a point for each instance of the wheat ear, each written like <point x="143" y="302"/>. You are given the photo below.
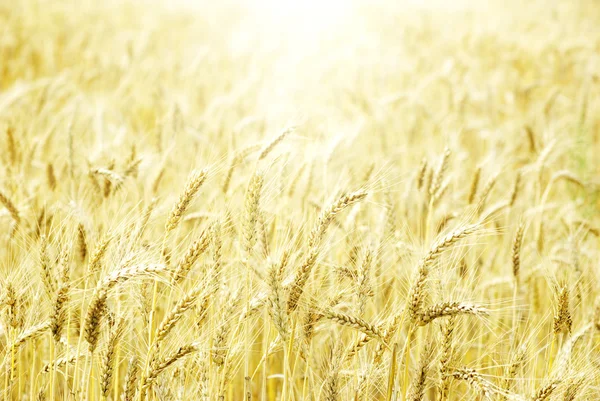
<point x="192" y="187"/>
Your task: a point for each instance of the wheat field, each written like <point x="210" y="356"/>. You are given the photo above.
<point x="275" y="200"/>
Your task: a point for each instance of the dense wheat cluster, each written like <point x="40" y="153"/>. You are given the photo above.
<point x="274" y="201"/>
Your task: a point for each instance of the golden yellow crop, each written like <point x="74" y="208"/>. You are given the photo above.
<point x="320" y="200"/>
